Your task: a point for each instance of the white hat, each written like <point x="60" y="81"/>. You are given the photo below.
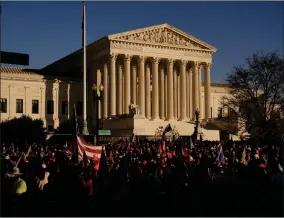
<point x="15" y="172"/>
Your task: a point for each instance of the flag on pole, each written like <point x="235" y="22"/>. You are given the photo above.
<point x="221" y="156"/>
<point x="191" y="145"/>
<point x="29" y="151"/>
<point x="244" y="154"/>
<point x="132" y="140"/>
<point x="87" y="150"/>
<point x="167" y="129"/>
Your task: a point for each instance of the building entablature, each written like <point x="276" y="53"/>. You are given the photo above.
<point x="160" y="41"/>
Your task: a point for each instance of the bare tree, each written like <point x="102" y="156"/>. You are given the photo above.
<point x="257" y="93"/>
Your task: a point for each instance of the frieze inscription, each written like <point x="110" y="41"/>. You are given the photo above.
<point x="128" y="46"/>
<point x="152" y="49"/>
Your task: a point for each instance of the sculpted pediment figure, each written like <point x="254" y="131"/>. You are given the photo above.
<point x="163" y="34"/>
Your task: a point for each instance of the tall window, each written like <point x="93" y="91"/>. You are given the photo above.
<point x="64" y="108"/>
<point x="211" y="110"/>
<point x="3" y="106"/>
<point x="50" y="107"/>
<point x="19" y="106"/>
<point x="220" y="112"/>
<point x="35" y="106"/>
<point x="79" y="108"/>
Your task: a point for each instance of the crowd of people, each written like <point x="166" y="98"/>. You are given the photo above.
<point x="46" y="177"/>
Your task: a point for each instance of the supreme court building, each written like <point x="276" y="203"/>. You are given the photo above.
<point x="146" y="78"/>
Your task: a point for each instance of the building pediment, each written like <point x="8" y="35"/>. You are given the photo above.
<point x="164" y="34"/>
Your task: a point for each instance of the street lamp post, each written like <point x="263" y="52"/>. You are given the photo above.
<point x="97" y="97"/>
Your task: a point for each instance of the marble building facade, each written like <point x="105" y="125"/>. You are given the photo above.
<point x="161" y="73"/>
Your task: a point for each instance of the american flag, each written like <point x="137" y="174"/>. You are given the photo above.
<point x="91" y="151"/>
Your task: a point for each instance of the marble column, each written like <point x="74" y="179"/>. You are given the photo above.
<point x="175" y="93"/>
<point x="106" y="92"/>
<point x="166" y="95"/>
<point x="178" y="96"/>
<point x="187" y="95"/>
<point x="170" y="97"/>
<point x="200" y="90"/>
<point x="195" y="89"/>
<point x="162" y="92"/>
<point x="112" y="84"/>
<point x="190" y="96"/>
<point x="155" y="89"/>
<point x="183" y="91"/>
<point x="123" y="91"/>
<point x="127" y="102"/>
<point x="119" y="96"/>
<point x="207" y="93"/>
<point x="142" y="86"/>
<point x="133" y="84"/>
<point x="148" y="91"/>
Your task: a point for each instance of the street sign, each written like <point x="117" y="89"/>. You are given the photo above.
<point x="104" y="132"/>
<point x="14" y="58"/>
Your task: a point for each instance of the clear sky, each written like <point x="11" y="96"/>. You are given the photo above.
<point x="50" y="30"/>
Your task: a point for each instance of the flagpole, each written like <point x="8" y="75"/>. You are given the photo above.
<point x="85" y="125"/>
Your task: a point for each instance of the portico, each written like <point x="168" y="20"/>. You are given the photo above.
<point x="158" y="69"/>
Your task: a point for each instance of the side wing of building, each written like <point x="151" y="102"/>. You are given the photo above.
<point x="26" y="92"/>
